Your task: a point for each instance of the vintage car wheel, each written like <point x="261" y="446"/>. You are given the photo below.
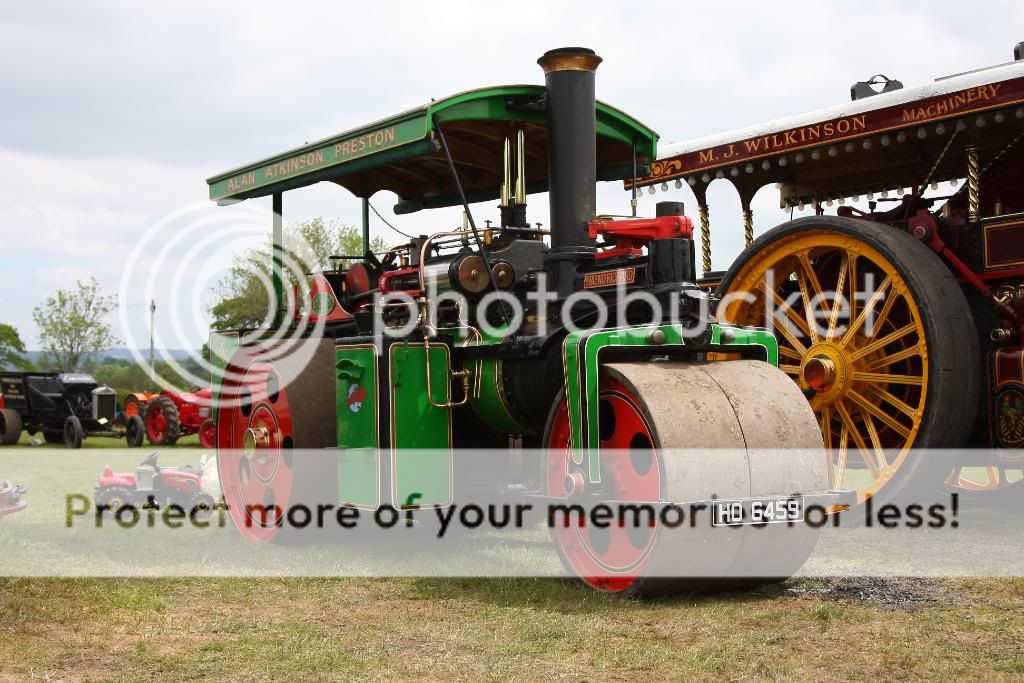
<point x="135" y="432"/>
<point x="73" y="433"/>
<point x="10" y="427"/>
<point x="890" y="368"/>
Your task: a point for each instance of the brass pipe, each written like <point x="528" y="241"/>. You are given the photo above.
<point x="506" y="183"/>
<point x="973" y="183"/>
<point x="705" y="236"/>
<point x="464" y="375"/>
<point x="521" y="167"/>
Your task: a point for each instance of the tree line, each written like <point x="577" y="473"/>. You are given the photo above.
<point x="72" y="323"/>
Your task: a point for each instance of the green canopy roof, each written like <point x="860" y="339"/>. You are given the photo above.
<point x="401" y="153"/>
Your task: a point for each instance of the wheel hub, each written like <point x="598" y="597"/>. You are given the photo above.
<point x="258" y="447"/>
<point x="825" y="368"/>
<point x="820" y="373"/>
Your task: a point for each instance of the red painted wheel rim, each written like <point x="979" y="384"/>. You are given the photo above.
<point x="609" y="559"/>
<point x="257" y="481"/>
<point x="208" y="434"/>
<point x="156" y="424"/>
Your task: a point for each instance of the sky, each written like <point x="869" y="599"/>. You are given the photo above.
<point x="115" y="113"/>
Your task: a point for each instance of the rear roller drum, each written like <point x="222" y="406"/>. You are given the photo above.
<point x="682" y="433"/>
<point x="267" y="410"/>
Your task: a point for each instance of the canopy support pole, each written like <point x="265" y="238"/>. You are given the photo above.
<point x="748" y="220"/>
<point x="973" y="183"/>
<point x="278" y="259"/>
<point x="700" y="191"/>
<point x="366" y="224"/>
<point x="748" y="226"/>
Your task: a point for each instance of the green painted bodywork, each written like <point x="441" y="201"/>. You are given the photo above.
<point x="581" y="392"/>
<point x="358" y="425"/>
<point x="411" y="134"/>
<point x="394" y="419"/>
<point x="421" y="434"/>
<point x="222" y="347"/>
<point x="488" y="399"/>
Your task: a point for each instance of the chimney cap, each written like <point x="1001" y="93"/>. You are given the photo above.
<point x="569" y="59"/>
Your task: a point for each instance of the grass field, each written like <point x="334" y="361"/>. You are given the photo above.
<point x="191" y="441"/>
<point x="473" y="629"/>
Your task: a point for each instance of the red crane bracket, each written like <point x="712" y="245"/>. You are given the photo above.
<point x="924" y="227"/>
<point x="632" y="234"/>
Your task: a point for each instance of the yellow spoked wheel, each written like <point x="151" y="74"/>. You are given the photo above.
<point x="992" y="478"/>
<point x="876" y="332"/>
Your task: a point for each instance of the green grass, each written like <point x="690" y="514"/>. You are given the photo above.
<point x="478" y="629"/>
<point x="256" y="629"/>
<point x="28" y="441"/>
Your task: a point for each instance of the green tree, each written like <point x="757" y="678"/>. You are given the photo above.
<point x="243" y="297"/>
<point x="71" y="324"/>
<point x="11" y="348"/>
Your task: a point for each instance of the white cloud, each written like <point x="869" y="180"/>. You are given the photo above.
<point x="115" y="112"/>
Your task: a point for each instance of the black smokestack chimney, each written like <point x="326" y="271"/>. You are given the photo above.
<point x="572" y="158"/>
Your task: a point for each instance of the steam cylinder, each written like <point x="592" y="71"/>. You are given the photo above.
<point x="572" y="158"/>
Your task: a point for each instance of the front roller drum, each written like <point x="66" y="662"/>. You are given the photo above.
<point x="274" y="418"/>
<point x="685" y="432"/>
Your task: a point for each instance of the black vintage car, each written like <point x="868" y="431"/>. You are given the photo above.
<point x="65" y="407"/>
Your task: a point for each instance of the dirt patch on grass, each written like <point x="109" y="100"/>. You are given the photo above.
<point x="889" y="593"/>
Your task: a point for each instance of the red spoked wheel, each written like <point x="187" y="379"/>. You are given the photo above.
<point x="609" y="559"/>
<point x="254" y="440"/>
<point x="208" y="433"/>
<point x="156" y="426"/>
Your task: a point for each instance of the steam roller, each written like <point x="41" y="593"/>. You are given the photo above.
<point x="563" y="368"/>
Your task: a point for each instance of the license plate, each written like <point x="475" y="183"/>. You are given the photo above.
<point x="757" y="511"/>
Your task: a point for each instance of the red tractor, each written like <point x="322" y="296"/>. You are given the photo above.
<point x="170" y="415"/>
<point x="152" y="485"/>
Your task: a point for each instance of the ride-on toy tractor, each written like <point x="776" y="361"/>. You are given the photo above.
<point x="154" y="486"/>
<point x="11" y="500"/>
<point x="171" y="415"/>
<point x="65" y="407"/>
<point x="482" y="364"/>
